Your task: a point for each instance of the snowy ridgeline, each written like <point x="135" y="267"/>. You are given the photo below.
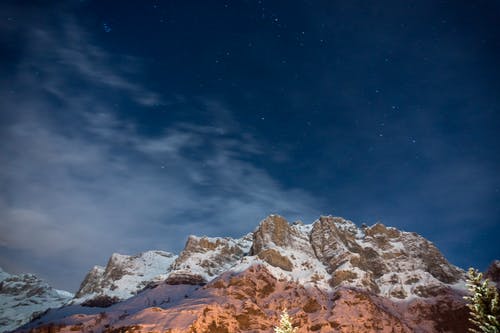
<point x="330" y="253"/>
<point x="24" y="296"/>
<point x="326" y="254"/>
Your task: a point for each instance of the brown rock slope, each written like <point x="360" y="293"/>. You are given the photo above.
<point x="332" y="276"/>
<point x="251" y="301"/>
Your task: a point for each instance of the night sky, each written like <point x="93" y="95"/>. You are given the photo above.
<point x="126" y="126"/>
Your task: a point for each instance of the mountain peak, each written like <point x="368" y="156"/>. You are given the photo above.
<point x="331" y="252"/>
<point x="25" y="296"/>
<point x="123" y="276"/>
<point x="274" y="230"/>
<point x="318" y="271"/>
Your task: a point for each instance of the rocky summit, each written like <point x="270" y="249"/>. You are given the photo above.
<point x="24" y="297"/>
<point x="331" y="276"/>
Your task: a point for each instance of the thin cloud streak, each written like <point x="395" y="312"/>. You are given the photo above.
<point x="74" y="195"/>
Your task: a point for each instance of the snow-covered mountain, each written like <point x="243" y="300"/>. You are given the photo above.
<point x="123" y="277"/>
<point x="382" y="260"/>
<point x="329" y="253"/>
<point x="24" y="297"/>
<point x="331" y="276"/>
<point x="202" y="259"/>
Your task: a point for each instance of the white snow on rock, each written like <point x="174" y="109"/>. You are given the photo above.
<point x="125" y="275"/>
<point x="329" y="254"/>
<point x="24" y="296"/>
<point x="391" y="263"/>
<point x="208" y="257"/>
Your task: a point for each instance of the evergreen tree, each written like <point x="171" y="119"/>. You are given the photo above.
<point x="285" y="324"/>
<point x="483" y="303"/>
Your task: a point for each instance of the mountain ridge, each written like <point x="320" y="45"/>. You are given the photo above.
<point x="23" y="297"/>
<point x="392" y="274"/>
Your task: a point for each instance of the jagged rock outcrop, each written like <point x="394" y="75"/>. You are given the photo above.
<point x="273" y="230"/>
<point x="382" y="259"/>
<point x="208" y="257"/>
<point x="123" y="277"/>
<point x="332" y="276"/>
<point x="176" y="278"/>
<point x="429" y="258"/>
<point x="24" y="297"/>
<point x="285" y="246"/>
<point x="92" y="283"/>
<point x="202" y="259"/>
<point x="330" y="253"/>
<point x="333" y="240"/>
<point x="274" y="258"/>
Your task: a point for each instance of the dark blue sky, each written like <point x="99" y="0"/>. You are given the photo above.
<point x="128" y="126"/>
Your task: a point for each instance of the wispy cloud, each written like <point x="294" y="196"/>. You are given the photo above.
<point x="80" y="181"/>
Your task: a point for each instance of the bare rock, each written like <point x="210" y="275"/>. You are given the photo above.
<point x="124" y="276"/>
<point x="101" y="301"/>
<point x="431" y="259"/>
<point x="185" y="278"/>
<point x="24" y="297"/>
<point x="273" y="230"/>
<point x="92" y="282"/>
<point x="333" y="277"/>
<point x="333" y="245"/>
<point x="211" y="255"/>
<point x="274" y="258"/>
<point x="340" y="276"/>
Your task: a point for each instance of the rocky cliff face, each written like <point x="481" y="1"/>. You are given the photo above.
<point x="332" y="276"/>
<point x="123" y="277"/>
<point x="252" y="301"/>
<point x="334" y="252"/>
<point x="384" y="260"/>
<point x="24" y="297"/>
<point x="203" y="258"/>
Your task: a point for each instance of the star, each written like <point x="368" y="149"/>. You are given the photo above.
<point x="106" y="27"/>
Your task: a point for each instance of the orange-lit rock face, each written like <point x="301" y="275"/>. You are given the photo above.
<point x="331" y="253"/>
<point x="359" y="312"/>
<point x="331" y="276"/>
<point x="274" y="230"/>
<point x="252" y="301"/>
